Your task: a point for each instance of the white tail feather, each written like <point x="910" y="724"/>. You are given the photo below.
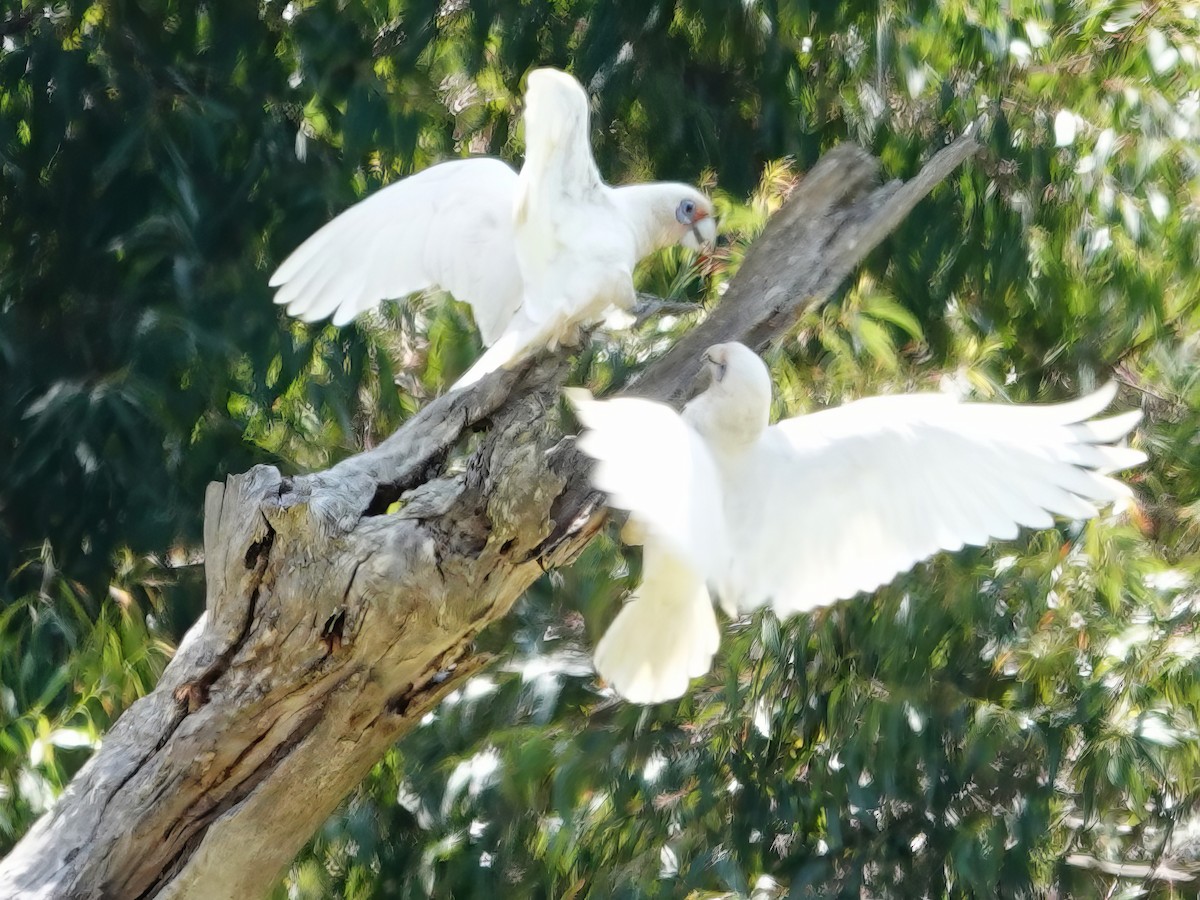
<point x="521" y="338"/>
<point x="665" y="635"/>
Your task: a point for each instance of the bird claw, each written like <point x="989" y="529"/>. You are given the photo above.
<point x="571" y="336"/>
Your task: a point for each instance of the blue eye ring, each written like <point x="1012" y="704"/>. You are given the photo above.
<point x="685" y="212"/>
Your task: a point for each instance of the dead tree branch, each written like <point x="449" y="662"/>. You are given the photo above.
<point x="1134" y="871"/>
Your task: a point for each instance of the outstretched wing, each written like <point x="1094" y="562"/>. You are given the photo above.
<point x="654" y="465"/>
<point x="558" y="148"/>
<point x="844" y="500"/>
<point x="559" y="226"/>
<point x="449" y="227"/>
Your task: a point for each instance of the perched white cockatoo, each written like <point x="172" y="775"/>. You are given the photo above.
<point x="536" y="255"/>
<point x="820" y="507"/>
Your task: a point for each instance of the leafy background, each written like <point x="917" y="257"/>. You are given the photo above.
<point x="992" y="724"/>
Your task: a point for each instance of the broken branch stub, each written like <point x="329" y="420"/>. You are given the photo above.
<point x="332" y="628"/>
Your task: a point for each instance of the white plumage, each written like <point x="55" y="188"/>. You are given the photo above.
<point x="535" y="255"/>
<point x="820" y="507"/>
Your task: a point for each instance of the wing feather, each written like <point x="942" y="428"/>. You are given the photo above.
<point x="654" y="465"/>
<point x="449" y="227"/>
<point x="558" y="150"/>
<point x="560" y="210"/>
<point x="842" y="501"/>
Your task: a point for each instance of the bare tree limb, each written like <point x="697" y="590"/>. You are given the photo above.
<point x="1135" y="871"/>
<point x="332" y="627"/>
<point x="648" y="307"/>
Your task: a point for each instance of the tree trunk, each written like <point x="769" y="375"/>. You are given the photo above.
<point x="332" y="627"/>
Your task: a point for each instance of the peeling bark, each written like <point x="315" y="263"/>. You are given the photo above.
<point x="332" y="628"/>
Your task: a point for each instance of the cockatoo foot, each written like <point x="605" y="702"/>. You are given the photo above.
<point x="571" y="336"/>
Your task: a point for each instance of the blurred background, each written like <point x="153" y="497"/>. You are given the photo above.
<point x="1015" y="721"/>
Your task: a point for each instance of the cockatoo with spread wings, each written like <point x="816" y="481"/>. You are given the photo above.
<point x="536" y="255"/>
<point x="820" y="507"/>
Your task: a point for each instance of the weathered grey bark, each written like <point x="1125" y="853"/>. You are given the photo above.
<point x="331" y="628"/>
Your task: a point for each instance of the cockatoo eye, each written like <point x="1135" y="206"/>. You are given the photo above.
<point x="685" y="212"/>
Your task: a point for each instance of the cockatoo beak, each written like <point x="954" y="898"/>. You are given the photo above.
<point x="716" y="363"/>
<point x="702" y="236"/>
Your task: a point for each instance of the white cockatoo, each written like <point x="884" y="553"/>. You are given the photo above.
<point x="537" y="255"/>
<point x="820" y="507"/>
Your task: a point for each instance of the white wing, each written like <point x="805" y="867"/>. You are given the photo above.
<point x="844" y="500"/>
<point x="665" y="635"/>
<point x="653" y="464"/>
<point x="558" y="188"/>
<point x="575" y="247"/>
<point x="449" y="226"/>
<point x="558" y="149"/>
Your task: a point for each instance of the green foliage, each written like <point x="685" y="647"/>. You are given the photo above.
<point x="963" y="732"/>
<point x="68" y="665"/>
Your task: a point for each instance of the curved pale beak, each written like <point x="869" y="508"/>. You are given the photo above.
<point x="715" y="359"/>
<point x="702" y="235"/>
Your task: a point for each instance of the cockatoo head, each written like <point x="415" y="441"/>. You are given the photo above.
<point x="664" y="213"/>
<point x="688" y="215"/>
<point x="736" y="406"/>
<point x="739" y="372"/>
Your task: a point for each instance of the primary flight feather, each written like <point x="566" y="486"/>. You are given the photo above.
<point x="820" y="507"/>
<point x="536" y="255"/>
